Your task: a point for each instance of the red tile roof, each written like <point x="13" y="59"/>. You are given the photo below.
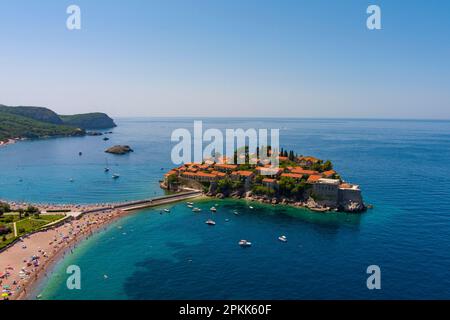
<point x="303" y="171"/>
<point x="311" y="159"/>
<point x="292" y="175"/>
<point x="204" y="174"/>
<point x="329" y="173"/>
<point x="226" y="166"/>
<point x="189" y="174"/>
<point x="314" y="178"/>
<point x="199" y="174"/>
<point x="243" y="173"/>
<point x="269" y="170"/>
<point x="170" y="173"/>
<point x="219" y="174"/>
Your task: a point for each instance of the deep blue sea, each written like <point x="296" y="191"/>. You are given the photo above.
<point x="403" y="168"/>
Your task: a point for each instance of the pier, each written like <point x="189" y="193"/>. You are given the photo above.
<point x="141" y="204"/>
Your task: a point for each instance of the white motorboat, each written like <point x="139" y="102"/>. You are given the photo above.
<point x="167" y="210"/>
<point x="115" y="176"/>
<point x="196" y="210"/>
<point x="190" y="206"/>
<point x="245" y="243"/>
<point x="251" y="207"/>
<point x="282" y="238"/>
<point x="213" y="209"/>
<point x="210" y="222"/>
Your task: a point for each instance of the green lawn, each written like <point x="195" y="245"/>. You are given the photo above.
<point x="24" y="225"/>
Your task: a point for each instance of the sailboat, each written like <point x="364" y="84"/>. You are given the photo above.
<point x="106" y="166"/>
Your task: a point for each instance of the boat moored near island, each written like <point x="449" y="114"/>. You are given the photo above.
<point x="245" y="243"/>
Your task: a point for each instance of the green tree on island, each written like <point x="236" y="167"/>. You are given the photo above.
<point x="224" y="185"/>
<point x="286" y="185"/>
<point x="262" y="190"/>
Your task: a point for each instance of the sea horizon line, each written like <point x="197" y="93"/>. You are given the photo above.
<point x="283" y="118"/>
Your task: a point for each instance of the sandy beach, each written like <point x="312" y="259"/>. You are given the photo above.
<point x="4" y="143"/>
<point x="27" y="260"/>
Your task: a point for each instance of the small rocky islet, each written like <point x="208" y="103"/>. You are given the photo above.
<point x="119" y="149"/>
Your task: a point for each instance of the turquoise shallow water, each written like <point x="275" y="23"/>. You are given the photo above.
<point x="402" y="166"/>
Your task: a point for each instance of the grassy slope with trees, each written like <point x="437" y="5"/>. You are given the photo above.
<point x="37" y="122"/>
<point x="15" y="126"/>
<point x="36" y="113"/>
<point x="26" y="220"/>
<point x="95" y="120"/>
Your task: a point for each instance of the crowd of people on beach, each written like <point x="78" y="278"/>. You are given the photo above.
<point x="44" y="207"/>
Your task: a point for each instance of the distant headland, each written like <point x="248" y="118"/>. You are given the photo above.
<point x="39" y="122"/>
<point x="301" y="181"/>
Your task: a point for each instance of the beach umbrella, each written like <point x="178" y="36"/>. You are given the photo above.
<point x="6" y="287"/>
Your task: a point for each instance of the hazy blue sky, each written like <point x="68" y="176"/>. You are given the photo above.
<point x="228" y="58"/>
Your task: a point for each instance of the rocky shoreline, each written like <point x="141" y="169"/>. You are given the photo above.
<point x="309" y="203"/>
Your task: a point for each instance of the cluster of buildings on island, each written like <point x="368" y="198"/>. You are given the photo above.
<point x="326" y="187"/>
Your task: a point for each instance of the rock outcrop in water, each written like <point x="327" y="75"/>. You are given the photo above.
<point x="119" y="149"/>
